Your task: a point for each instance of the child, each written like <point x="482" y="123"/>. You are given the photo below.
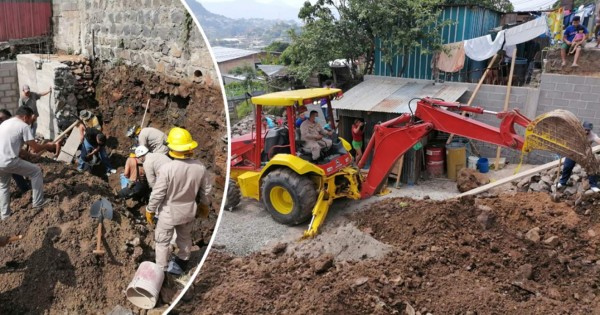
<point x="578" y="39"/>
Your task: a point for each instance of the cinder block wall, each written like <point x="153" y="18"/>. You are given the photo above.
<point x="159" y="35"/>
<point x="9" y="87"/>
<point x="577" y="94"/>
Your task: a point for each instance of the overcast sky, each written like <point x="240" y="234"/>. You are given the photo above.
<point x="266" y="8"/>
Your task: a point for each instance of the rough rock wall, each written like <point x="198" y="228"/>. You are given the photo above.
<point x="159" y="35"/>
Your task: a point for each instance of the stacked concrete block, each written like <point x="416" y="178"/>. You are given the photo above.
<point x="158" y="35"/>
<point x="9" y="87"/>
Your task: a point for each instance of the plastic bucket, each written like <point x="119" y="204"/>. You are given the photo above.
<point x="472" y="162"/>
<point x="143" y="290"/>
<point x="456" y="158"/>
<point x="483" y="165"/>
<point x="435" y="168"/>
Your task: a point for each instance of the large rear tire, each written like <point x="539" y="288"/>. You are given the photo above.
<point x="233" y="195"/>
<point x="289" y="197"/>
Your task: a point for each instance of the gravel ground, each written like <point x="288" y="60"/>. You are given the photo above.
<point x="249" y="228"/>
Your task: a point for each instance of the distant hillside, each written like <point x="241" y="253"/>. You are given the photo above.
<point x="252" y="32"/>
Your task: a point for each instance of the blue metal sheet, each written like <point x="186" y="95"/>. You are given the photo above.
<point x="470" y="22"/>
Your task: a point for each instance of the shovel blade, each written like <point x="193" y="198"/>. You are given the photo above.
<point x="102" y="209"/>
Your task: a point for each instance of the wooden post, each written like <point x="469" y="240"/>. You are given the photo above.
<point x="506" y="101"/>
<point x="476" y="90"/>
<point x="400" y="165"/>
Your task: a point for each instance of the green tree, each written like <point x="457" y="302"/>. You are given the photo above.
<point x="277" y="47"/>
<point x="351" y="30"/>
<point x="249" y="73"/>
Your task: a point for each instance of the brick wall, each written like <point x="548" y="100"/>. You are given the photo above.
<point x="159" y="35"/>
<point x="9" y="87"/>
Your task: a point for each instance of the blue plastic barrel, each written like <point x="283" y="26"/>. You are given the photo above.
<point x="483" y="165"/>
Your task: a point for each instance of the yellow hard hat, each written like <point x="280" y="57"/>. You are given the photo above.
<point x="180" y="140"/>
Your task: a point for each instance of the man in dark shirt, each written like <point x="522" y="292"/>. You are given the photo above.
<point x="29" y="98"/>
<point x="93" y="149"/>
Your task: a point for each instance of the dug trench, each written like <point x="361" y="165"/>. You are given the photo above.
<point x="509" y="253"/>
<point x="52" y="269"/>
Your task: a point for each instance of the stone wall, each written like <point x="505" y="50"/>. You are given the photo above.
<point x="159" y="35"/>
<point x="9" y="88"/>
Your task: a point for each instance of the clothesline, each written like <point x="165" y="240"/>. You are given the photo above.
<point x="483" y="47"/>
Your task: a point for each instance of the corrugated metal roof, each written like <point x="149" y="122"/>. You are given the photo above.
<point x="223" y="54"/>
<point x="392" y="95"/>
<point x="271" y="70"/>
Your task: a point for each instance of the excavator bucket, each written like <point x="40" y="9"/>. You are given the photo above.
<point x="559" y="131"/>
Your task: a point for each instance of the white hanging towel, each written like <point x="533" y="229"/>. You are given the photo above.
<point x="526" y="31"/>
<point x="482" y="48"/>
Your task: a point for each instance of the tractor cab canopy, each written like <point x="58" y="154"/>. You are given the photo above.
<point x="300" y="97"/>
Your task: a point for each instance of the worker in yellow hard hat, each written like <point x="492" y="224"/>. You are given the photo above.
<point x="173" y="200"/>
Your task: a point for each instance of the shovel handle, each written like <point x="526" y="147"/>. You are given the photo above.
<point x="15" y="238"/>
<point x="98" y="250"/>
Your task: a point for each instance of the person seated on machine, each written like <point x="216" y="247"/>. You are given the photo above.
<point x="313" y="136"/>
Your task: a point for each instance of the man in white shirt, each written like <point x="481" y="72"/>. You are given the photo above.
<point x="15" y="132"/>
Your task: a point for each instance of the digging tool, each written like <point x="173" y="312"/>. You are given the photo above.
<point x="5" y="240"/>
<point x="145" y="111"/>
<point x="101" y="209"/>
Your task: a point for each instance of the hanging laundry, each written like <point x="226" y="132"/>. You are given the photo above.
<point x="482" y="48"/>
<point x="555" y="23"/>
<point x="526" y="31"/>
<point x="454" y="59"/>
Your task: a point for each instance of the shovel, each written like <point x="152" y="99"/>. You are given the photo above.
<point x="101" y="209"/>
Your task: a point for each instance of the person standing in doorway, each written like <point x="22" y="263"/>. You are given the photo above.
<point x="358" y="130"/>
<point x="29" y="99"/>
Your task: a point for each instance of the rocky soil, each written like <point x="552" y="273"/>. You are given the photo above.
<point x="518" y="252"/>
<point x="52" y="269"/>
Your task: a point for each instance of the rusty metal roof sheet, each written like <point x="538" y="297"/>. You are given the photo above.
<point x="392" y="95"/>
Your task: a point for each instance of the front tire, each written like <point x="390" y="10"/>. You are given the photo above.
<point x="233" y="195"/>
<point x="288" y="196"/>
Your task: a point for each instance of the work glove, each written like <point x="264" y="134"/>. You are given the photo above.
<point x="150" y="217"/>
<point x="203" y="211"/>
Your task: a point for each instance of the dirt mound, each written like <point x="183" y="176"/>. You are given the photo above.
<point x="470" y="179"/>
<point x="589" y="63"/>
<point x="52" y="269"/>
<point x="123" y="93"/>
<point x="485" y="256"/>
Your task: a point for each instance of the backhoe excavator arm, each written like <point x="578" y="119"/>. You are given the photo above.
<point x="393" y="138"/>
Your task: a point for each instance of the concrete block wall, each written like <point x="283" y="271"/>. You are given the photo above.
<point x="159" y="35"/>
<point x="52" y="74"/>
<point x="9" y="87"/>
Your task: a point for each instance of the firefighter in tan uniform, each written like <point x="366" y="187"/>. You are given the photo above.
<point x="313" y="135"/>
<point x="180" y="183"/>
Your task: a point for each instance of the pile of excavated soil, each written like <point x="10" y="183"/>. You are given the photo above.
<point x="589" y="62"/>
<point x="52" y="269"/>
<point x="519" y="253"/>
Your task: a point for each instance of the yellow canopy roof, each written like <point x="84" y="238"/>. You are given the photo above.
<point x="289" y="98"/>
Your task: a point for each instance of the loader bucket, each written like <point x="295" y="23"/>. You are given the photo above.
<point x="559" y="131"/>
